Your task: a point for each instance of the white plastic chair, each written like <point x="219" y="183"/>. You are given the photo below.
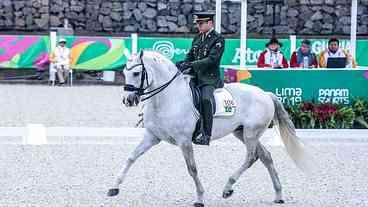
<point x="53" y="71"/>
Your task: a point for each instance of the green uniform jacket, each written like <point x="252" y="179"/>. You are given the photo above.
<point x="205" y="57"/>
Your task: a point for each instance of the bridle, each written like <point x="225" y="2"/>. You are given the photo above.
<point x="144" y="78"/>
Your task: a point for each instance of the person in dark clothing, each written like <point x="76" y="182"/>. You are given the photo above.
<point x="304" y="57"/>
<point x="203" y="62"/>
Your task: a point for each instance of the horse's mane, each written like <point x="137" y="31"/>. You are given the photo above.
<point x="154" y="54"/>
<point x="154" y="57"/>
<point x="157" y="57"/>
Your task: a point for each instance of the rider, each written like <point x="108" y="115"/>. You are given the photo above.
<point x="203" y="61"/>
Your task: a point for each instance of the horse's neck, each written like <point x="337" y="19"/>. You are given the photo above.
<point x="176" y="96"/>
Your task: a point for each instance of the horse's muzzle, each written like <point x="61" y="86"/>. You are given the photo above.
<point x="131" y="100"/>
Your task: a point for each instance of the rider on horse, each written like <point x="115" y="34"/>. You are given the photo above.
<point x="203" y="62"/>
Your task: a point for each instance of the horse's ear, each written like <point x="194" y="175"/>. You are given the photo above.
<point x="141" y="54"/>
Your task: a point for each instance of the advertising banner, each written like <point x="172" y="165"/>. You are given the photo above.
<point x="18" y="51"/>
<point x="98" y="53"/>
<point x="294" y="86"/>
<point x="110" y="53"/>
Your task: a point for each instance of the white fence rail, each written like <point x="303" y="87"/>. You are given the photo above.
<point x="38" y="134"/>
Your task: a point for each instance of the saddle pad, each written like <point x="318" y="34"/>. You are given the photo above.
<point x="225" y="104"/>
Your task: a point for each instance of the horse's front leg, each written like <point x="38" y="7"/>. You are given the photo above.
<point x="148" y="141"/>
<point x="187" y="150"/>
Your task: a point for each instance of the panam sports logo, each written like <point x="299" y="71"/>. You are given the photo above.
<point x="168" y="49"/>
<point x="334" y="95"/>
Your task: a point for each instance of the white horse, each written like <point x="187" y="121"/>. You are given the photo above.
<point x="170" y="116"/>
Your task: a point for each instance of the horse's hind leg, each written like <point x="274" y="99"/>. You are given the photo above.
<point x="265" y="157"/>
<point x="148" y="141"/>
<point x="251" y="143"/>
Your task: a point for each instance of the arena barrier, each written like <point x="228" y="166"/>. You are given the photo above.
<point x="38" y="134"/>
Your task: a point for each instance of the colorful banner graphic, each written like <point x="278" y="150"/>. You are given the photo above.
<point x="97" y="53"/>
<point x="88" y="53"/>
<point x="23" y="51"/>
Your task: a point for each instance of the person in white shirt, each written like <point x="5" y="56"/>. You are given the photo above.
<point x="334" y="51"/>
<point x="61" y="59"/>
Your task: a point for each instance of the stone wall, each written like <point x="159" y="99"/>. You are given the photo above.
<point x="312" y="17"/>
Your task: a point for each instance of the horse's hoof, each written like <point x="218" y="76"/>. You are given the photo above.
<point x="279" y="201"/>
<point x="227" y="194"/>
<point x="113" y="192"/>
<point x="198" y="205"/>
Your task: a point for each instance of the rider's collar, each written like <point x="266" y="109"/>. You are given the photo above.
<point x="209" y="31"/>
<point x="205" y="35"/>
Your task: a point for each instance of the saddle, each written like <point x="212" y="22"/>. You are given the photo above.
<point x="223" y="105"/>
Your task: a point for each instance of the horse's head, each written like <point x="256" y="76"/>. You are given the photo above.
<point x="136" y="79"/>
<point x="141" y="71"/>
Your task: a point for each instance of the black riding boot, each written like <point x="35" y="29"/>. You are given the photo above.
<point x="207" y="117"/>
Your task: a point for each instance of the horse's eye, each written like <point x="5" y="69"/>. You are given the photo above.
<point x="135" y="74"/>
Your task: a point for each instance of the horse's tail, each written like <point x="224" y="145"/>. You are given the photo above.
<point x="294" y="147"/>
